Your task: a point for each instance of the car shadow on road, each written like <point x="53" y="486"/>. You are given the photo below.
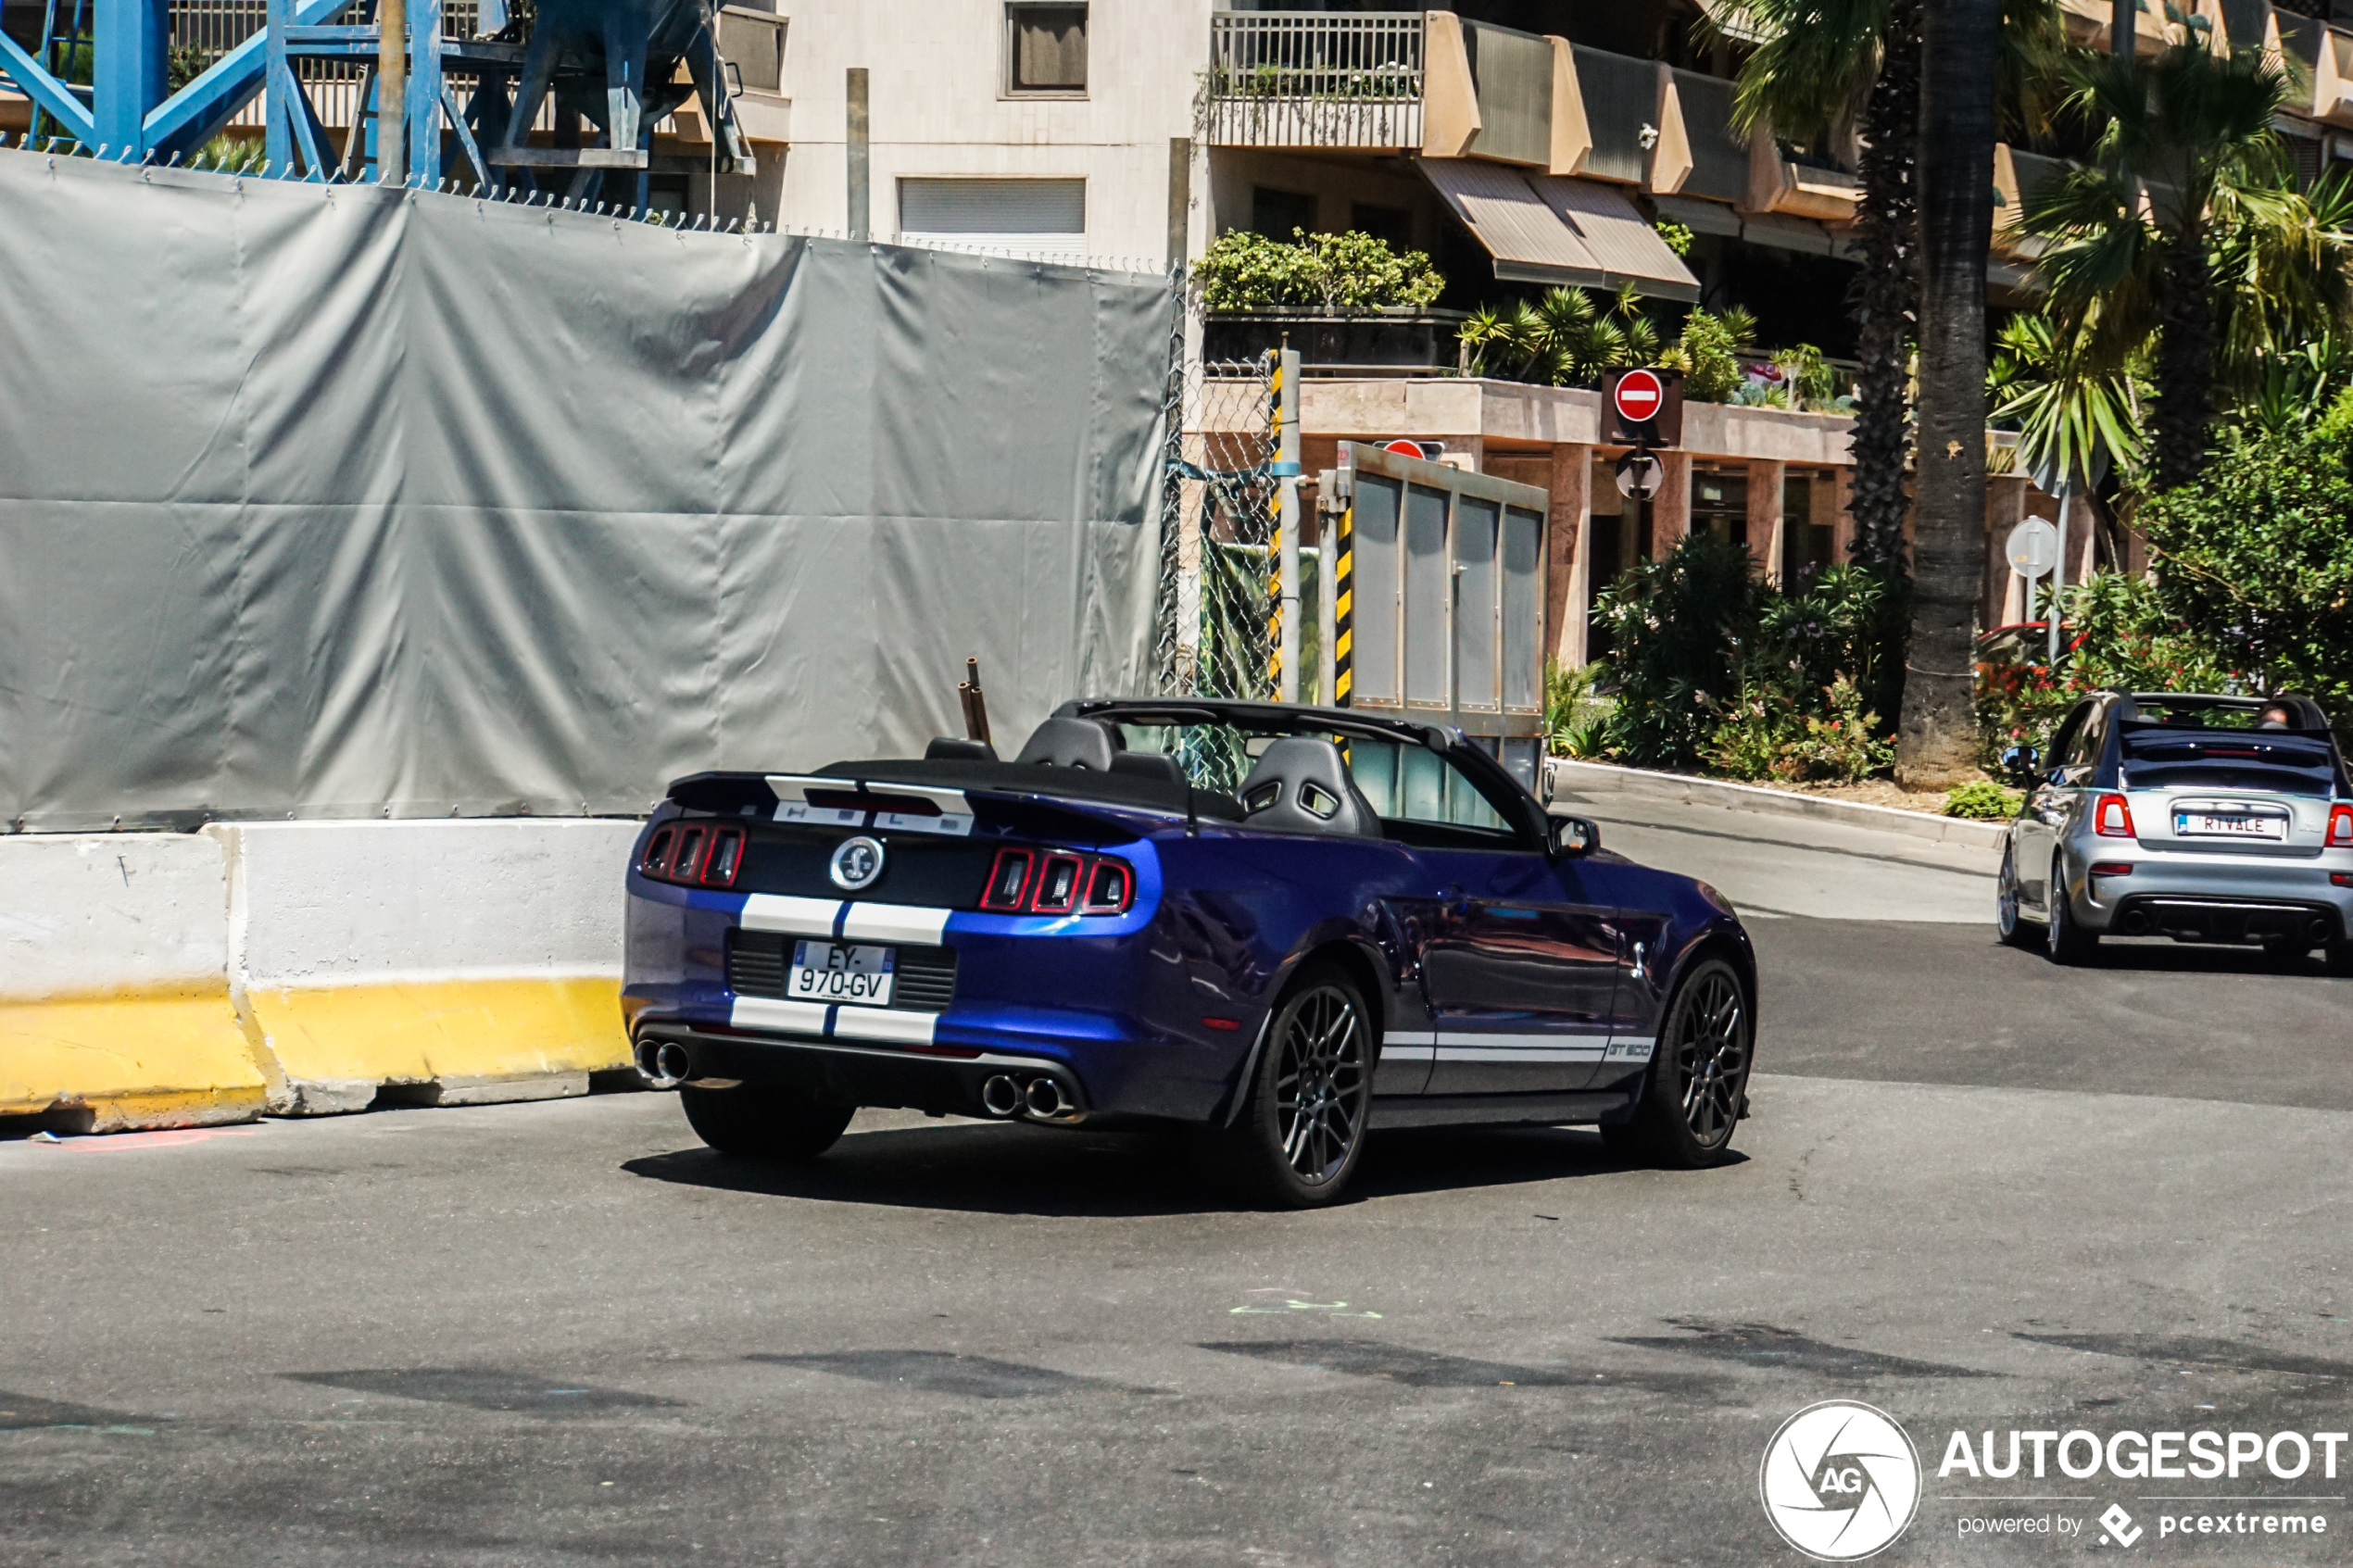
<point x="1023" y="1169"/>
<point x="2158" y="955"/>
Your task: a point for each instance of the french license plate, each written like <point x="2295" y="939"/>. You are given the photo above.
<point x="840" y="972"/>
<point x="2228" y="824"/>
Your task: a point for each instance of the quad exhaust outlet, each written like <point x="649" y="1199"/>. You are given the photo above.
<point x="1038" y="1099"/>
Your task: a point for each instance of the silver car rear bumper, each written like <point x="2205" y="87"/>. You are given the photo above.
<point x="2210" y="899"/>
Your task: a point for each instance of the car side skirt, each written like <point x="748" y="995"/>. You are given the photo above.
<point x="1501" y="1110"/>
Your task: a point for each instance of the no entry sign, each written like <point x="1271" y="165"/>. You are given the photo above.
<point x="1643" y="407"/>
<point x="1640" y="395"/>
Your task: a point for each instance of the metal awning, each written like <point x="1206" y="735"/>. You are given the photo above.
<point x="1544" y="229"/>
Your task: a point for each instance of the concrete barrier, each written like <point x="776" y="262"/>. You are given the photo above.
<point x="441" y="962"/>
<point x="115" y="1005"/>
<point x="152" y="980"/>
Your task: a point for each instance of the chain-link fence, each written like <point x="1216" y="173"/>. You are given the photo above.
<point x="1218" y="514"/>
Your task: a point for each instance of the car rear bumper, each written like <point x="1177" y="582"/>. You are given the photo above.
<point x="2214" y="898"/>
<point x="961" y="1082"/>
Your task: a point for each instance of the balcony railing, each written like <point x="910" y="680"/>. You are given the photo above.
<point x="1314" y="79"/>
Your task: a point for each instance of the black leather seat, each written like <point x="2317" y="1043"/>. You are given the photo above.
<point x="1302" y="784"/>
<point x="1156" y="766"/>
<point x="1072" y="742"/>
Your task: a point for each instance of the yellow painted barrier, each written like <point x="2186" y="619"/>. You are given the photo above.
<point x="448" y="1042"/>
<point x="113" y="1062"/>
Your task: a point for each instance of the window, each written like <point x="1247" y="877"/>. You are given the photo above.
<point x="752" y="42"/>
<point x="1046" y="219"/>
<point x="1278" y="214"/>
<point x="1046" y="49"/>
<point x="1410" y="784"/>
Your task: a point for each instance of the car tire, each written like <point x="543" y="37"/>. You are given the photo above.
<point x="1300" y="1134"/>
<point x="2008" y="924"/>
<point x="755" y="1122"/>
<point x="1697" y="1090"/>
<point x="2065" y="940"/>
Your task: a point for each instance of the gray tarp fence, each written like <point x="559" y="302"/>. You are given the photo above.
<point x="331" y="500"/>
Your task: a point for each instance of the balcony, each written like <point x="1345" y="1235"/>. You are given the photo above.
<point x="1316" y="78"/>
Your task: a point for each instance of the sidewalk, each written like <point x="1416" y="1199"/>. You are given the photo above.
<point x="1778" y="858"/>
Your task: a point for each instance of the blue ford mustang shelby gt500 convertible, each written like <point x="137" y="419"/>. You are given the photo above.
<point x="1379" y="927"/>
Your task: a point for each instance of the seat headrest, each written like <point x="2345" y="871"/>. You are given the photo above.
<point x="1302" y="784"/>
<point x="1156" y="766"/>
<point x="956" y="748"/>
<point x="1072" y="742"/>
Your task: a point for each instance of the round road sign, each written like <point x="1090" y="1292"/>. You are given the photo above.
<point x="1639" y="397"/>
<point x="2032" y="548"/>
<point x="1638" y="475"/>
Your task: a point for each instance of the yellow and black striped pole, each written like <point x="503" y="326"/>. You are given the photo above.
<point x="1343" y="591"/>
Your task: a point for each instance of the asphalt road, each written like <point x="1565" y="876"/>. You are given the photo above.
<point x="1978" y="1192"/>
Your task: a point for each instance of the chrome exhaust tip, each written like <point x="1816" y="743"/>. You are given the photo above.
<point x="662" y="1065"/>
<point x="1043" y="1100"/>
<point x="1000" y="1096"/>
<point x="2316" y="930"/>
<point x="2136" y="923"/>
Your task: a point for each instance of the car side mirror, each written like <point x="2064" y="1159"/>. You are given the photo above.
<point x="1574" y="837"/>
<point x="2022" y="763"/>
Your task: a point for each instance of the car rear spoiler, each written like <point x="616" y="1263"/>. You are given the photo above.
<point x="1045" y="801"/>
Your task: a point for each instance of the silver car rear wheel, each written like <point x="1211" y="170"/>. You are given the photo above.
<point x="2008" y="924"/>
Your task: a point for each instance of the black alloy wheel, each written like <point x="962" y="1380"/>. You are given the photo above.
<point x="758" y="1121"/>
<point x="2065" y="941"/>
<point x="2008" y="924"/>
<point x="1697" y="1090"/>
<point x="1302" y="1130"/>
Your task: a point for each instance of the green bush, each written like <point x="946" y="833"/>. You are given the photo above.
<point x="1335" y="274"/>
<point x="1985" y="800"/>
<point x="1709" y="354"/>
<point x="1716" y="669"/>
<point x="2254" y="563"/>
<point x="1564" y="339"/>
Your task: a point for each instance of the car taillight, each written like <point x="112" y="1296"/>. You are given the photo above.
<point x="1110" y="887"/>
<point x="1008" y="880"/>
<point x="686" y="863"/>
<point x="695" y="855"/>
<point x="2341" y="827"/>
<point x="1058" y="885"/>
<point x="725" y="858"/>
<point x="658" y="852"/>
<point x="1048" y="883"/>
<point x="2112" y="817"/>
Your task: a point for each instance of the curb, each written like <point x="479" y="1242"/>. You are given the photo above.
<point x="1609" y="778"/>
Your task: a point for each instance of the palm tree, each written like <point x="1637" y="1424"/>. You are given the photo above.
<point x="2073" y="415"/>
<point x="1830" y="67"/>
<point x="2186" y="155"/>
<point x="1564" y="339"/>
<point x="1822" y="66"/>
<point x="1960" y="54"/>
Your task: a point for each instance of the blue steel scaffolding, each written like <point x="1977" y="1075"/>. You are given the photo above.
<point x="610" y="68"/>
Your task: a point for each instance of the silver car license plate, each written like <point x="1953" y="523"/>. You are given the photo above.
<point x="2229" y="825"/>
<point x="840" y="972"/>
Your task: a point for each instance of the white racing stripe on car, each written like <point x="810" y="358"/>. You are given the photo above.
<point x="1464" y="1046"/>
<point x="793" y="917"/>
<point x="1631" y="1050"/>
<point x="767" y="1012"/>
<point x="884" y="1024"/>
<point x="1408" y="1045"/>
<point x="894" y="922"/>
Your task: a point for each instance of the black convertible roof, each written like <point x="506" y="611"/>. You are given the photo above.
<point x="1282" y="718"/>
